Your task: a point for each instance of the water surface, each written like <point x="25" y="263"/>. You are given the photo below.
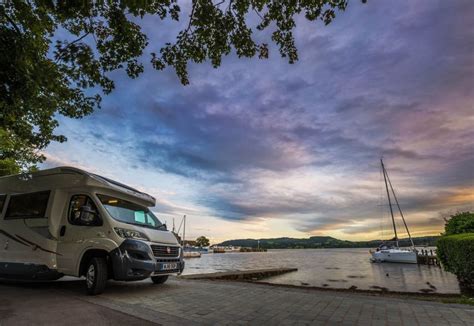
<point x="335" y="268"/>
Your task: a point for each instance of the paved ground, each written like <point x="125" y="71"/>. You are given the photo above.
<point x="192" y="302"/>
<point x="46" y="304"/>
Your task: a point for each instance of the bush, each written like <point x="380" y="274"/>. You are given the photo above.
<point x="456" y="253"/>
<point x="462" y="222"/>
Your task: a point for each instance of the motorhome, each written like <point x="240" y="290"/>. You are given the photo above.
<point x="66" y="221"/>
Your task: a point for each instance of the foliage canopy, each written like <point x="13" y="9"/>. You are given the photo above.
<point x="462" y="222"/>
<point x="56" y="56"/>
<point x="202" y="241"/>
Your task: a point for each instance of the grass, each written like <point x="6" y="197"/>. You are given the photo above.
<point x="460" y="300"/>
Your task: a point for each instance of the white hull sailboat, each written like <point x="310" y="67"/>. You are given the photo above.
<point x="393" y="253"/>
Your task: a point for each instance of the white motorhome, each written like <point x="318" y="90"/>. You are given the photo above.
<point x="66" y="221"/>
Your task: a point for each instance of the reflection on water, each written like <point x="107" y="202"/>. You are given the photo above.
<point x="337" y="268"/>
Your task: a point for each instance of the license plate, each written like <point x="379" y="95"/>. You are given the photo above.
<point x="169" y="266"/>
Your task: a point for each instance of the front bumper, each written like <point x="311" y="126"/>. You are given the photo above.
<point x="134" y="261"/>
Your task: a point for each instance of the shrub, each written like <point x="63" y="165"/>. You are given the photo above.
<point x="456" y="253"/>
<point x="462" y="222"/>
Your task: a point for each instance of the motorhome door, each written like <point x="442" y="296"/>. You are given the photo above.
<point x="76" y="228"/>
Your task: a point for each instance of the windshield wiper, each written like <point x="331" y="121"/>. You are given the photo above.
<point x="147" y="225"/>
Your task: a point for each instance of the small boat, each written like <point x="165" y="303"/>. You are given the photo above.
<point x="231" y="249"/>
<point x="191" y="254"/>
<point x="218" y="250"/>
<point x="193" y="251"/>
<point x="188" y="251"/>
<point x="392" y="253"/>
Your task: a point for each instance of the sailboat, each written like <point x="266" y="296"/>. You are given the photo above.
<point x="188" y="251"/>
<point x="392" y="253"/>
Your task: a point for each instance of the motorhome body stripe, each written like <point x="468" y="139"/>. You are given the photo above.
<point x="8" y="235"/>
<point x="37" y="246"/>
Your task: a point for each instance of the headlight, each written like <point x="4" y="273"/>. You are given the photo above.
<point x="131" y="234"/>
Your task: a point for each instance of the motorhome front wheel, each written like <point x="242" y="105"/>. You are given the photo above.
<point x="96" y="275"/>
<point x="159" y="279"/>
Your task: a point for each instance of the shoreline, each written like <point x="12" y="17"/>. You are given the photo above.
<point x="387" y="293"/>
<point x="448" y="298"/>
<point x="259" y="276"/>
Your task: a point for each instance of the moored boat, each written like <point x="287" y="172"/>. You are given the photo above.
<point x="393" y="253"/>
<point x="191" y="254"/>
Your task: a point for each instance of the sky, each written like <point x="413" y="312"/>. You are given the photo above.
<point x="262" y="148"/>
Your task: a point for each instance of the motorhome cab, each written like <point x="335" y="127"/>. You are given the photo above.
<point x="65" y="221"/>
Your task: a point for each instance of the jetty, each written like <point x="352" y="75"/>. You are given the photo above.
<point x="253" y="275"/>
<point x="428" y="257"/>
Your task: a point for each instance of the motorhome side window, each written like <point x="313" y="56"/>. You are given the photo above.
<point x="32" y="205"/>
<point x="76" y="206"/>
<point x="2" y="202"/>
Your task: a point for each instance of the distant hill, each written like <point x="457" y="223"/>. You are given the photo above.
<point x="322" y="242"/>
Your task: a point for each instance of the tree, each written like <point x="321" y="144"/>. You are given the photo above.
<point x="202" y="241"/>
<point x="461" y="222"/>
<point x="56" y="56"/>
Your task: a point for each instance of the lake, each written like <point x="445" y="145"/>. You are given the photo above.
<point x="334" y="268"/>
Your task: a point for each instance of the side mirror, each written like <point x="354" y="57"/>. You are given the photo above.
<point x="88" y="216"/>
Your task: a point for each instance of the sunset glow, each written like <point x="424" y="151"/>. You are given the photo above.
<point x="261" y="148"/>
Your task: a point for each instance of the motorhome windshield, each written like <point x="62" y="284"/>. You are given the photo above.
<point x="127" y="212"/>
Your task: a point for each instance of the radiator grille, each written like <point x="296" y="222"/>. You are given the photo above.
<point x="168" y="260"/>
<point x="165" y="251"/>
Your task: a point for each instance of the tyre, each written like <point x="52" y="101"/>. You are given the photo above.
<point x="159" y="279"/>
<point x="96" y="275"/>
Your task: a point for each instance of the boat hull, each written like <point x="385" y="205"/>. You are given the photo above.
<point x="191" y="254"/>
<point x="394" y="256"/>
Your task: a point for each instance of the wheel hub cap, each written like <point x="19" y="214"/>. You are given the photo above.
<point x="90" y="277"/>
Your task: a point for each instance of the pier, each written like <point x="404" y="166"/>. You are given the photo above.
<point x="240" y="275"/>
<point x="428" y="257"/>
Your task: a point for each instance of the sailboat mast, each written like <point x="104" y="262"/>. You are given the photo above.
<point x="184" y="231"/>
<point x="400" y="210"/>
<point x="389" y="200"/>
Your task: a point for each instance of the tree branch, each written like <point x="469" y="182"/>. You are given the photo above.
<point x="15" y="26"/>
<point x="61" y="52"/>
<point x="258" y="14"/>
<point x="91" y="22"/>
<point x="191" y="16"/>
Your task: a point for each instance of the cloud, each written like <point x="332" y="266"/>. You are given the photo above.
<point x="261" y="140"/>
